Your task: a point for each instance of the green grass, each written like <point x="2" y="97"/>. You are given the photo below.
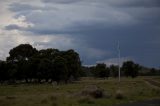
<point x="66" y="95"/>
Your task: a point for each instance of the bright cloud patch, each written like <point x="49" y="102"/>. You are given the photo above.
<point x="115" y="61"/>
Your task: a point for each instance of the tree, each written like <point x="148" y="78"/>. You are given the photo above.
<point x="86" y="71"/>
<point x="50" y="53"/>
<point x="33" y="72"/>
<point x="22" y="70"/>
<point x="21" y="52"/>
<point x="114" y="70"/>
<point x="3" y="71"/>
<point x="107" y="72"/>
<point x="27" y="63"/>
<point x="60" y="70"/>
<point x="130" y="69"/>
<point x="101" y="71"/>
<point x="73" y="63"/>
<point x="12" y="71"/>
<point x="18" y="61"/>
<point x="152" y="71"/>
<point x="44" y="69"/>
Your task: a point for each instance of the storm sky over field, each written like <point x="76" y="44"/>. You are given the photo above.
<point x="91" y="27"/>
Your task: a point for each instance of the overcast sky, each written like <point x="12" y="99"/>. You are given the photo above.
<point x="91" y="27"/>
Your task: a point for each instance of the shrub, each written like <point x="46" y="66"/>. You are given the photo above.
<point x="93" y="91"/>
<point x="119" y="95"/>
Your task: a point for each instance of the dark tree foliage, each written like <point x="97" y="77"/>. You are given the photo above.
<point x="3" y="71"/>
<point x="21" y="69"/>
<point x="25" y="63"/>
<point x="73" y="64"/>
<point x="33" y="71"/>
<point x="114" y="70"/>
<point x="154" y="72"/>
<point x="50" y="53"/>
<point x="44" y="68"/>
<point x="101" y="71"/>
<point x="130" y="69"/>
<point x="86" y="71"/>
<point x="11" y="70"/>
<point x="60" y="69"/>
<point x="21" y="52"/>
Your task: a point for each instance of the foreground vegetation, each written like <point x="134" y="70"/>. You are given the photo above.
<point x="128" y="90"/>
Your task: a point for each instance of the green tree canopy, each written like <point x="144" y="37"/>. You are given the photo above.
<point x="21" y="52"/>
<point x="131" y="69"/>
<point x="101" y="71"/>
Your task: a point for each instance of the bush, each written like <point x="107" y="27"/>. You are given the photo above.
<point x="119" y="95"/>
<point x="93" y="91"/>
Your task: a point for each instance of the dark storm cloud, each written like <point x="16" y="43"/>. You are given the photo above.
<point x="118" y="3"/>
<point x="119" y="18"/>
<point x="61" y="1"/>
<point x="18" y="7"/>
<point x="13" y="27"/>
<point x="134" y="3"/>
<point x="99" y="24"/>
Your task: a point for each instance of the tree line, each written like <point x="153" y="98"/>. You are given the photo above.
<point x="28" y="64"/>
<point x="128" y="69"/>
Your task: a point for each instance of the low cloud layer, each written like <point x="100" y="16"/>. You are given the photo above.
<point x="91" y="27"/>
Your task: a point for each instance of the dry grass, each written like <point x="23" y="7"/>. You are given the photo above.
<point x="52" y="95"/>
<point x="93" y="91"/>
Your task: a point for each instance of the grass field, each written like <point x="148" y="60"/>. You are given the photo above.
<point x="68" y="95"/>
